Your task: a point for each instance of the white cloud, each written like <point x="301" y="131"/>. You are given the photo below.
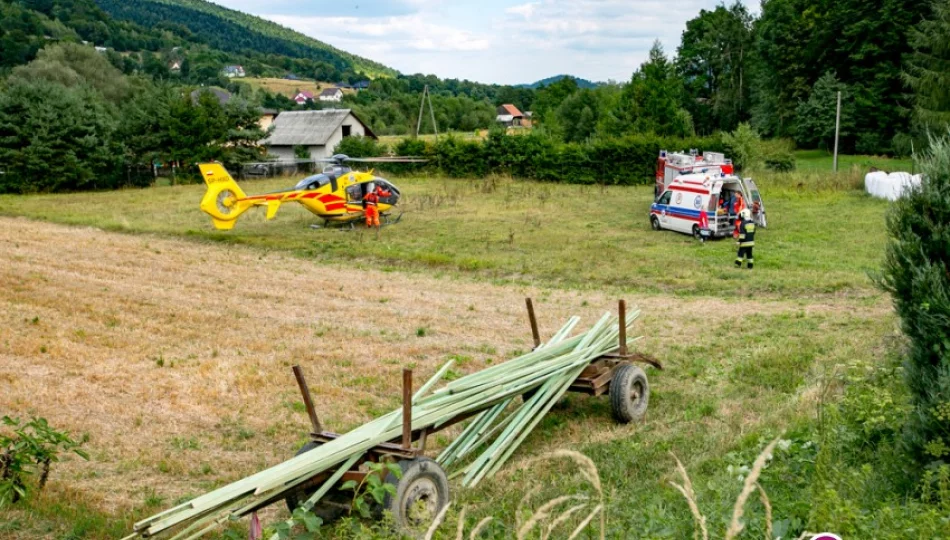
<point x="500" y="41"/>
<point x="525" y="10"/>
<point x="382" y="34"/>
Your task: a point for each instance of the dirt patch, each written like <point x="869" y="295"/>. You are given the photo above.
<point x="174" y="357"/>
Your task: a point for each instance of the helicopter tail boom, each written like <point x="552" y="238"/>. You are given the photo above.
<point x="224" y="199"/>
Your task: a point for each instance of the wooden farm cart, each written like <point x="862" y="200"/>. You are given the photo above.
<point x="423" y="488"/>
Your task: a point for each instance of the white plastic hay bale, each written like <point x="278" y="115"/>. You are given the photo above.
<point x="890" y="186"/>
<point x="872" y="182"/>
<point x="902" y="182"/>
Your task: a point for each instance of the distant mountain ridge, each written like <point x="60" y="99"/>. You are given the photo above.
<point x="231" y="30"/>
<point x="581" y="83"/>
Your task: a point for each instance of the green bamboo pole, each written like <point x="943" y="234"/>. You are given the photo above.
<point x="550" y="368"/>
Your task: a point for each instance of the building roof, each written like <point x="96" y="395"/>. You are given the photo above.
<point x="309" y="128"/>
<point x="306" y="94"/>
<point x="330" y="92"/>
<point x="510" y="109"/>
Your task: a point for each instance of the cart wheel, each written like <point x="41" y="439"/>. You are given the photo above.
<point x="629" y="394"/>
<point x="330" y="508"/>
<point x="655" y="223"/>
<point x="421" y="494"/>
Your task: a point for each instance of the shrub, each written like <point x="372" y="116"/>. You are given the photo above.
<point x="301" y="152"/>
<point x="29" y="450"/>
<point x="917" y="274"/>
<point x="781" y="161"/>
<point x="744" y="146"/>
<point x="360" y="147"/>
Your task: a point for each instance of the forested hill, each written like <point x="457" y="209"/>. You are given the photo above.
<point x="581" y="83"/>
<point x="232" y="31"/>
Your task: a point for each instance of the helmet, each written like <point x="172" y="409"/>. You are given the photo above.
<point x="745" y="213"/>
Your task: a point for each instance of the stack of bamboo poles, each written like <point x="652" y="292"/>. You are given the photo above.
<point x="547" y="372"/>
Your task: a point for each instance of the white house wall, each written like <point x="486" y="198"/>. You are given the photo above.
<point x="356" y="129"/>
<point x="282" y="153"/>
<point x="286" y="153"/>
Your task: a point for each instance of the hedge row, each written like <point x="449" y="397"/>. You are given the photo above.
<point x="627" y="161"/>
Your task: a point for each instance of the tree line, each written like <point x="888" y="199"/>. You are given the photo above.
<point x="69" y="120"/>
<point x="776" y="75"/>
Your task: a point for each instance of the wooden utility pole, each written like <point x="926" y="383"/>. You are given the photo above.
<point x="837" y="130"/>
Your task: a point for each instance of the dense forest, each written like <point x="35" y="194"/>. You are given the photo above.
<point x="776" y="75"/>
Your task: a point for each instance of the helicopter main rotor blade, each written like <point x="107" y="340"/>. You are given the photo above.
<point x="394" y="159"/>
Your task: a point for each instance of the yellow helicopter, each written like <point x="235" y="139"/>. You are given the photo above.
<point x="336" y="194"/>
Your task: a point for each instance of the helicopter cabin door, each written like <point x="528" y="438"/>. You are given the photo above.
<point x="757" y="206"/>
<point x="355" y="193"/>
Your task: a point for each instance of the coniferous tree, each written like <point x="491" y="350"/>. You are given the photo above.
<point x="815" y="127"/>
<point x="651" y="101"/>
<point x="928" y="69"/>
<point x="917" y="274"/>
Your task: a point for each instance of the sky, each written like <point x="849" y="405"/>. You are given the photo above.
<point x="492" y="41"/>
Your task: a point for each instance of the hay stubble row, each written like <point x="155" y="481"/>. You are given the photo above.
<point x="160" y="348"/>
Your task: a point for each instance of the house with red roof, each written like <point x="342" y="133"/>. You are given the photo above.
<point x="303" y="97"/>
<point x="510" y="116"/>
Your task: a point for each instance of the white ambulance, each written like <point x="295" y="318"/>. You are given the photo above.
<point x="701" y="196"/>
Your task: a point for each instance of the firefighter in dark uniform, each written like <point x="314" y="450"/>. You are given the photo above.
<point x="746" y="238"/>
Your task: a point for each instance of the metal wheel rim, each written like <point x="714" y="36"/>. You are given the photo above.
<point x="426" y="491"/>
<point x="636" y="392"/>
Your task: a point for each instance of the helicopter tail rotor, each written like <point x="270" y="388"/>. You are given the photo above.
<point x="223" y="200"/>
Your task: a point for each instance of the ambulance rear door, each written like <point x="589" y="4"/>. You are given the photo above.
<point x="756" y="204"/>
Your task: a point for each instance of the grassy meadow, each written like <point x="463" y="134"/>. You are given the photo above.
<point x="122" y="298"/>
<point x="513" y="231"/>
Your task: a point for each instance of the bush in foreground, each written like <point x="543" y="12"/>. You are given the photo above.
<point x="917" y="274"/>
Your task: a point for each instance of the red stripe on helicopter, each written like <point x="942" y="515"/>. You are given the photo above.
<point x="335" y="206"/>
<point x="330" y="198"/>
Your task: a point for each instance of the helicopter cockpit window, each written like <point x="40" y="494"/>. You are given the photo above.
<point x="313" y="182"/>
<point x="354" y="193"/>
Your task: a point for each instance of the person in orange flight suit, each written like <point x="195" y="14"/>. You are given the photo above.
<point x="371" y="203"/>
<point x="738" y="207"/>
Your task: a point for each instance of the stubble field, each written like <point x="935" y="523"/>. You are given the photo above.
<point x="170" y="349"/>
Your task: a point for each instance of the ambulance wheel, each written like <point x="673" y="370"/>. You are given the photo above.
<point x="696" y="234"/>
<point x="655" y="223"/>
<point x="421" y="493"/>
<point x="629" y="394"/>
<point x="330" y="508"/>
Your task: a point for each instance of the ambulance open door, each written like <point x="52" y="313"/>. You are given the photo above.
<point x="756" y="204"/>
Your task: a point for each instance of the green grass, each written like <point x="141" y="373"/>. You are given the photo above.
<point x="507" y="230"/>
<point x="731" y="384"/>
<point x="823" y="161"/>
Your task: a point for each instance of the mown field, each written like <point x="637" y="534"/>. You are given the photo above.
<point x="168" y="344"/>
<point x="286" y="87"/>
